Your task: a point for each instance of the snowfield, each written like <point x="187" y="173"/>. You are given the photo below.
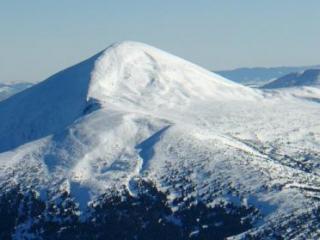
<point x="133" y="111"/>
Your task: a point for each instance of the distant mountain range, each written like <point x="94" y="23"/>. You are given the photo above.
<point x="6" y="90"/>
<point x="310" y="77"/>
<point x="259" y="76"/>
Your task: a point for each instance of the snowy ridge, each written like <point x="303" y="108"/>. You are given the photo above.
<point x="133" y="112"/>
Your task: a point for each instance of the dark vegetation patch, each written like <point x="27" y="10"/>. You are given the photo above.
<point x="119" y="215"/>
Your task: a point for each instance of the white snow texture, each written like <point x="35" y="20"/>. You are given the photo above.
<point x="132" y="110"/>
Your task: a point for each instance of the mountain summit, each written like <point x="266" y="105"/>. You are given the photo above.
<point x="133" y="72"/>
<point x="135" y="142"/>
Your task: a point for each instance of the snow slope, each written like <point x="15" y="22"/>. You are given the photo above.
<point x="133" y="111"/>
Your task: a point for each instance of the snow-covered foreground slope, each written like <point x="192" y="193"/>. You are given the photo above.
<point x="133" y="112"/>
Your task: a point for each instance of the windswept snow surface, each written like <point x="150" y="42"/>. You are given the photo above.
<point x="135" y="111"/>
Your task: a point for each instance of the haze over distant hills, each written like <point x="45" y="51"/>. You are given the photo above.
<point x="258" y="76"/>
<point x="310" y="77"/>
<point x="6" y="90"/>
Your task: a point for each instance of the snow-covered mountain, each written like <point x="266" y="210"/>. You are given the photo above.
<point x="310" y="77"/>
<point x="7" y="90"/>
<point x="258" y="76"/>
<point x="137" y="143"/>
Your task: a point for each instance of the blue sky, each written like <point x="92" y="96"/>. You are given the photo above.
<point x="40" y="37"/>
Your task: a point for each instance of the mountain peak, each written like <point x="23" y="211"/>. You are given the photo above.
<point x="134" y="72"/>
<point x="126" y="73"/>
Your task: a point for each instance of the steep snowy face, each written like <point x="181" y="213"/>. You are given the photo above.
<point x="309" y="77"/>
<point x="45" y="108"/>
<point x="140" y="75"/>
